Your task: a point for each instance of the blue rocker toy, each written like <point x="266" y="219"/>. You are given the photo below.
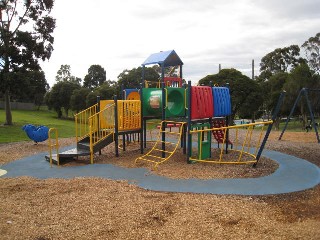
<point x="37" y="134"/>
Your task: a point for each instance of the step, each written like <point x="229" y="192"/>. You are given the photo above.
<point x="68" y="155"/>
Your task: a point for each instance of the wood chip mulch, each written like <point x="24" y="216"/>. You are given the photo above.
<point x="95" y="208"/>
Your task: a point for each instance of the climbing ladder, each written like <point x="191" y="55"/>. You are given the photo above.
<point x="219" y="133"/>
<point x="163" y="150"/>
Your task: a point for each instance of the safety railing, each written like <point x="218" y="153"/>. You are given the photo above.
<point x="99" y="130"/>
<point x="53" y="134"/>
<point x="82" y="121"/>
<point x="246" y="141"/>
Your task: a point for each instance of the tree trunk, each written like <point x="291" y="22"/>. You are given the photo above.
<point x="304" y="116"/>
<point x="276" y="123"/>
<point x="8" y="108"/>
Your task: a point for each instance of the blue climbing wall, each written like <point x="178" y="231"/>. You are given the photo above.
<point x="222" y="101"/>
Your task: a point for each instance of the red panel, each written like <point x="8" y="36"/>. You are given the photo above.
<point x="201" y="102"/>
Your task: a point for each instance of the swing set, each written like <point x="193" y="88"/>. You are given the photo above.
<point x="303" y="92"/>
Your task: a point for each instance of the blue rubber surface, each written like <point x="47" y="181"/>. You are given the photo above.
<point x="294" y="174"/>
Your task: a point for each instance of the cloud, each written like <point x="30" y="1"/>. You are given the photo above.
<point x="120" y="35"/>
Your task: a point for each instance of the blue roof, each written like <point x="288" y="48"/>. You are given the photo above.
<point x="167" y="59"/>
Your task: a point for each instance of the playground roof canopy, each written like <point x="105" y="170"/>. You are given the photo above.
<point x="165" y="59"/>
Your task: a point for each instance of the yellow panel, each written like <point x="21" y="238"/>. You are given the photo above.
<point x="129" y="115"/>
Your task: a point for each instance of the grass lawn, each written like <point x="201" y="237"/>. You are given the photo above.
<point x="20" y="118"/>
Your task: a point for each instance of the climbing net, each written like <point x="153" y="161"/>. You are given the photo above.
<point x="237" y="144"/>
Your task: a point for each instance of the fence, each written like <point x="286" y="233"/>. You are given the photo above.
<point x="19" y="105"/>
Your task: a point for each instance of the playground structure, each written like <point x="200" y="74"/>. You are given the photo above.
<point x="191" y="116"/>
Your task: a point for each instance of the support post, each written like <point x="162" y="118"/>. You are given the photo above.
<point x="311" y="114"/>
<point x="116" y="130"/>
<point x="189" y="140"/>
<point x="143" y="129"/>
<point x="98" y="122"/>
<point x="163" y="134"/>
<point x="266" y="136"/>
<point x="291" y="112"/>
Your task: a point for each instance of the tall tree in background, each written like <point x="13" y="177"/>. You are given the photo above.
<point x="64" y="75"/>
<point x="26" y="37"/>
<point x="300" y="77"/>
<point x="271" y="92"/>
<point x="279" y="60"/>
<point x="78" y="99"/>
<point x="245" y="93"/>
<point x="96" y="77"/>
<point x="131" y="78"/>
<point x="59" y="97"/>
<point x="312" y="50"/>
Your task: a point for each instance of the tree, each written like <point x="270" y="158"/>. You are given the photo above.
<point x="35" y="86"/>
<point x="280" y="60"/>
<point x="78" y="99"/>
<point x="132" y="78"/>
<point x="272" y="89"/>
<point x="245" y="92"/>
<point x="60" y="95"/>
<point x="271" y="92"/>
<point x="96" y="77"/>
<point x="312" y="51"/>
<point x="300" y="77"/>
<point x="64" y="75"/>
<point x="105" y="91"/>
<point x="26" y="37"/>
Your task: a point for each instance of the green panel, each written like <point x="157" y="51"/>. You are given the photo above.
<point x="205" y="154"/>
<point x="176" y="102"/>
<point x="204" y="144"/>
<point x="152" y="101"/>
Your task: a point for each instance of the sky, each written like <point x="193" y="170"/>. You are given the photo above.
<point x="121" y="34"/>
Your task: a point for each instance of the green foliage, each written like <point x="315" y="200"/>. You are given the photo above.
<point x="273" y="88"/>
<point x="14" y="133"/>
<point x="300" y="77"/>
<point x="64" y="75"/>
<point x="280" y="60"/>
<point x="92" y="98"/>
<point x="312" y="50"/>
<point x="26" y="37"/>
<point x="245" y="93"/>
<point x="132" y="78"/>
<point x="96" y="77"/>
<point x="59" y="97"/>
<point x="105" y="91"/>
<point x="78" y="99"/>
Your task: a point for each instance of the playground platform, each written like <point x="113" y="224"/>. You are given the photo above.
<point x="294" y="174"/>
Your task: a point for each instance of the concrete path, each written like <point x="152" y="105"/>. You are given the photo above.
<point x="294" y="174"/>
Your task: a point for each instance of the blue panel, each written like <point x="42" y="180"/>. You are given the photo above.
<point x="130" y="90"/>
<point x="166" y="58"/>
<point x="222" y="101"/>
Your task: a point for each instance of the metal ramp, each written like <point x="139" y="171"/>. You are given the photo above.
<point x="163" y="150"/>
<point x="82" y="149"/>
